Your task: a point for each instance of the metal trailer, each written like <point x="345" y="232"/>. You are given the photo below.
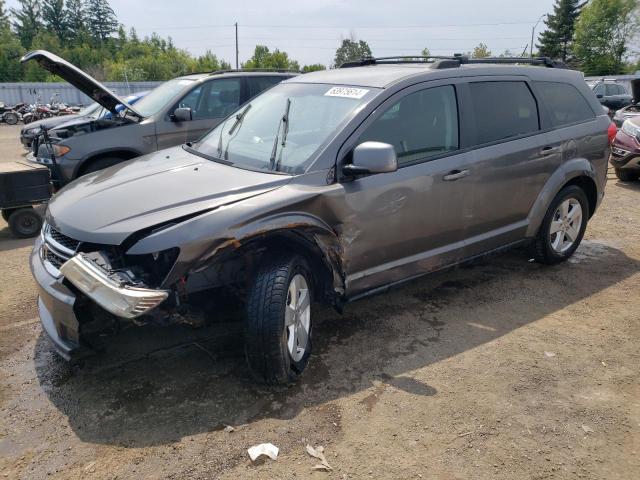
<point x="22" y="186"/>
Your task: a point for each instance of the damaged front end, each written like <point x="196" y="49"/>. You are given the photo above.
<point x="86" y="289"/>
<point x="118" y="292"/>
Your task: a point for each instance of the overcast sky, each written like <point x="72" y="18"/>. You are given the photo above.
<point x="310" y="31"/>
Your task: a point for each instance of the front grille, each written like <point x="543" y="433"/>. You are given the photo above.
<point x="57" y="248"/>
<point x="62" y="239"/>
<point x="54" y="259"/>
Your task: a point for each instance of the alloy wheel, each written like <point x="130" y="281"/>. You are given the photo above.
<point x="297" y="317"/>
<point x="565" y="226"/>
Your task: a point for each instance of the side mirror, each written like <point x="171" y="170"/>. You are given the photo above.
<point x="182" y="114"/>
<point x="372" y="157"/>
<point x="599" y="95"/>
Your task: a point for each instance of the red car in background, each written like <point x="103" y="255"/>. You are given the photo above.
<point x="625" y="151"/>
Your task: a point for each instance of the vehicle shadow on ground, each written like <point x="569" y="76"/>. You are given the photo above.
<point x="9" y="242"/>
<point x="147" y="391"/>
<point x="634" y="186"/>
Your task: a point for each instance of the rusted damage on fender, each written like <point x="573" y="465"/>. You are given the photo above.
<point x="321" y="244"/>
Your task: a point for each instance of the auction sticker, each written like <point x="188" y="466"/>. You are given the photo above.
<point x="346" y="92"/>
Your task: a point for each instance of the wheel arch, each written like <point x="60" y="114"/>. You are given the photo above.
<point x="313" y="246"/>
<point x="123" y="153"/>
<point x="578" y="172"/>
<point x="588" y="185"/>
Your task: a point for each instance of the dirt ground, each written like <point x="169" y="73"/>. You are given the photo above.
<point x="505" y="369"/>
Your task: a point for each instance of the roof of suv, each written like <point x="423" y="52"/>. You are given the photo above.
<point x="248" y="73"/>
<point x="385" y="75"/>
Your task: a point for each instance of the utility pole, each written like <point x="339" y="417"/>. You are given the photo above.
<point x="237" y="67"/>
<point x="532" y="33"/>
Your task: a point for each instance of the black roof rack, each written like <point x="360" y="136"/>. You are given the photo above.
<point x="440" y="62"/>
<point x="240" y="70"/>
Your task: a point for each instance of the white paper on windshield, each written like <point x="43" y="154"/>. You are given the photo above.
<point x="346" y="92"/>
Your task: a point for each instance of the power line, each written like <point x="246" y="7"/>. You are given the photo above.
<point x="334" y="27"/>
<point x="398" y="48"/>
<point x="380" y="39"/>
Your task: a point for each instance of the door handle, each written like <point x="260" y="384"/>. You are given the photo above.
<point x="454" y="175"/>
<point x="550" y="150"/>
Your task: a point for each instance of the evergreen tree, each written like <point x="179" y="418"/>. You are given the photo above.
<point x="26" y="21"/>
<point x="76" y="18"/>
<point x="54" y="17"/>
<point x="556" y="41"/>
<point x="101" y="20"/>
<point x="4" y="19"/>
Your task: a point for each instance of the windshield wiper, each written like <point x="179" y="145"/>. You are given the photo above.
<point x="236" y="124"/>
<point x="239" y="118"/>
<point x="283" y="120"/>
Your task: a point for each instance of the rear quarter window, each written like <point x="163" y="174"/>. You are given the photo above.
<point x="565" y="103"/>
<point x="503" y="110"/>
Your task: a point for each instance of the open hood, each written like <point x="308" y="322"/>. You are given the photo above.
<point x="76" y="77"/>
<point x="635" y="90"/>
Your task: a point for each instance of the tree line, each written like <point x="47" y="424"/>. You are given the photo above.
<point x="594" y="36"/>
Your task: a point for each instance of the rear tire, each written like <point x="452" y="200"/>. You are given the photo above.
<point x="627" y="175"/>
<point x="279" y="327"/>
<point x="563" y="226"/>
<point x="25" y="222"/>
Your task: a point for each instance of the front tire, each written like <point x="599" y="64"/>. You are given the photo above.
<point x="563" y="226"/>
<point x="627" y="175"/>
<point x="279" y="327"/>
<point x="100" y="164"/>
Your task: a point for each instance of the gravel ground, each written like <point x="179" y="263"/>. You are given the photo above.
<point x="505" y="369"/>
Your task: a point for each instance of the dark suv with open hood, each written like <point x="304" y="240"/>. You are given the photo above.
<point x="630" y="111"/>
<point x="178" y="111"/>
<point x="328" y="187"/>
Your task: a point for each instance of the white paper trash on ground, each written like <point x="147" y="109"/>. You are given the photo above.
<point x="268" y="449"/>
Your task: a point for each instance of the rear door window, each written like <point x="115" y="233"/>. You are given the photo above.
<point x="259" y="84"/>
<point x="614" y="89"/>
<point x="503" y="110"/>
<point x="420" y="125"/>
<point x="565" y="103"/>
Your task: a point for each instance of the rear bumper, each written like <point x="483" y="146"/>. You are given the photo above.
<point x="56" y="309"/>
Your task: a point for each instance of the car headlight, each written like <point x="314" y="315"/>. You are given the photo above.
<point x="60" y="150"/>
<point x="631" y="129"/>
<point x="121" y="300"/>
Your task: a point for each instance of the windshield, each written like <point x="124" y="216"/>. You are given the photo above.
<point x="283" y="128"/>
<point x="160" y="96"/>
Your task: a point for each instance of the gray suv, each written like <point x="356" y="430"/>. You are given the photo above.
<point x="178" y="111"/>
<point x="326" y="188"/>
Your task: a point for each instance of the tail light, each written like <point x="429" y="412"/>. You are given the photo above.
<point x="612" y="132"/>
